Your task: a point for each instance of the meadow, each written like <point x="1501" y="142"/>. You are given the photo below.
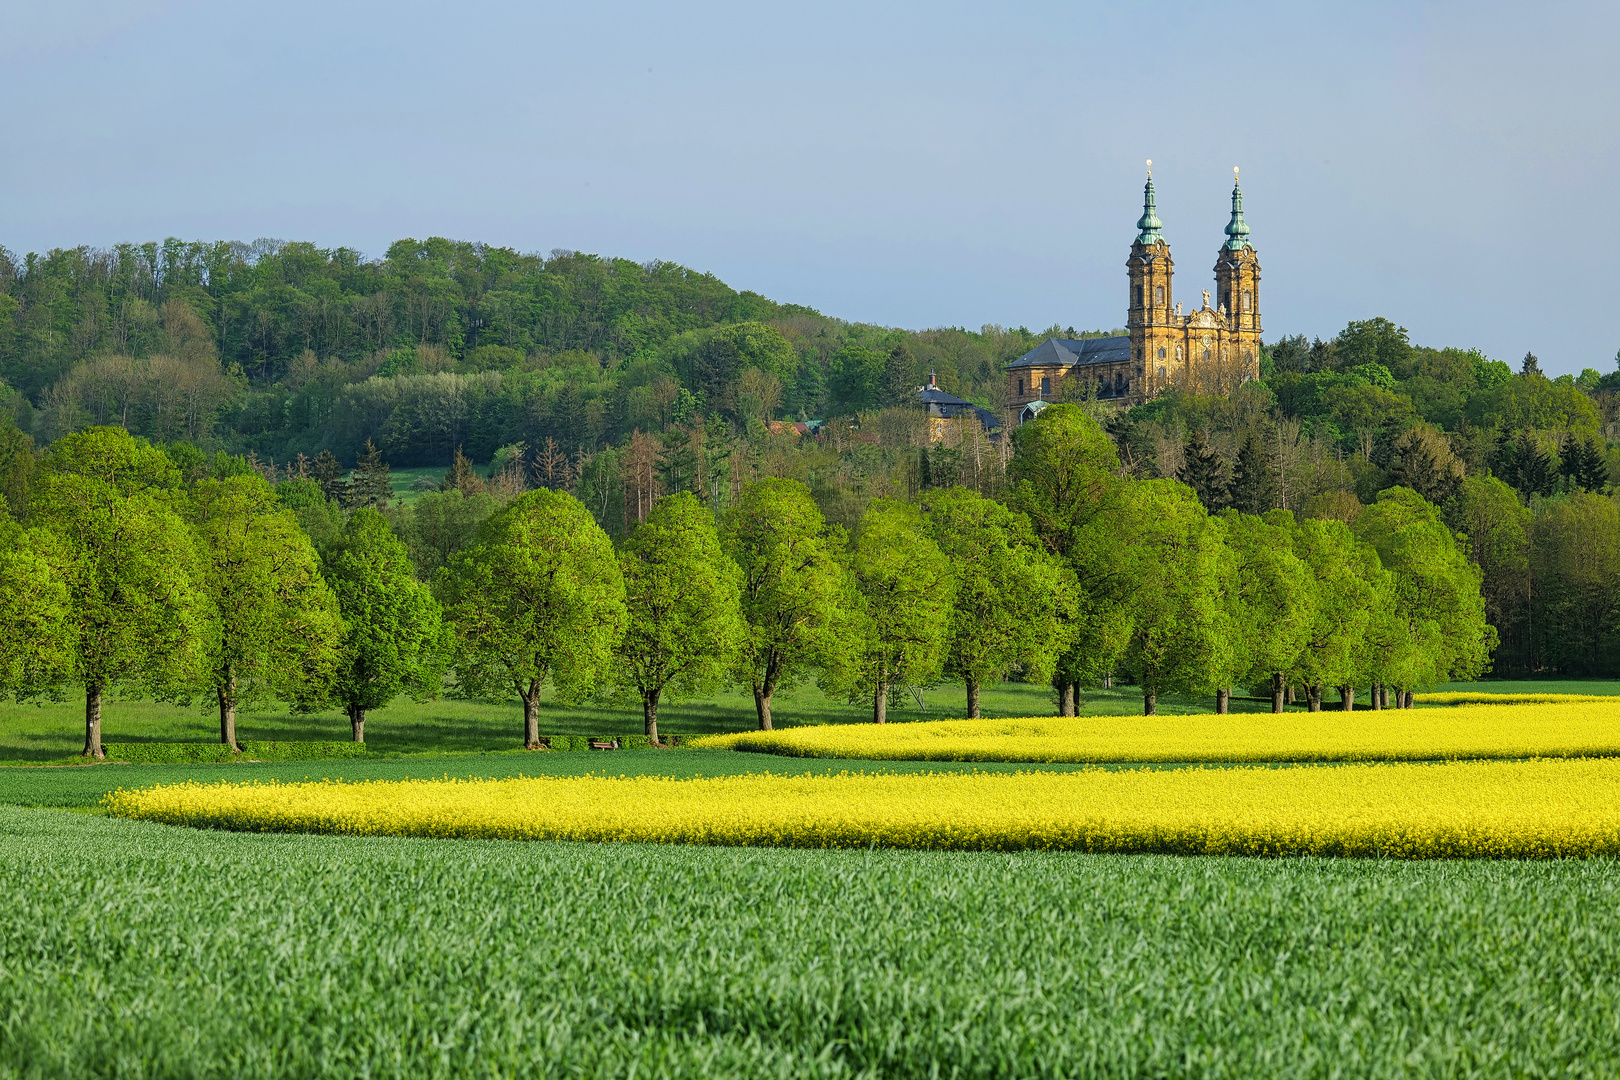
<point x="135" y="949"/>
<point x="54" y="731"/>
<point x="131" y="948"/>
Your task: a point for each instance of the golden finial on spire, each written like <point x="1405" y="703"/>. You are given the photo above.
<point x="1150" y="168"/>
<point x="1234" y="172"/>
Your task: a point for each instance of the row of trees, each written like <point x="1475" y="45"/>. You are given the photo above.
<point x="120" y="573"/>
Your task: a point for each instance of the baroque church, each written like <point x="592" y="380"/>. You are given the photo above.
<point x="1211" y="350"/>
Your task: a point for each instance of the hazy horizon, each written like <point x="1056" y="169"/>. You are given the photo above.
<point x="905" y="165"/>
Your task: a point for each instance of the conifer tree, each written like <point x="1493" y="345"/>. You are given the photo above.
<point x="326" y="471"/>
<point x="371" y="486"/>
<point x="1201" y="470"/>
<point x="1583" y="464"/>
<point x="1253" y="490"/>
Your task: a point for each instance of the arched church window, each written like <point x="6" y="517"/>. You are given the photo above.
<point x="1158" y="296"/>
<point x="1206" y="356"/>
<point x="1245" y="299"/>
<point x="1161" y="371"/>
<point x="1046" y="384"/>
<point x="1161" y="352"/>
<point x="1020" y="387"/>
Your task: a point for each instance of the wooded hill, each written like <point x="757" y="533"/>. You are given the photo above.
<point x="623" y="382"/>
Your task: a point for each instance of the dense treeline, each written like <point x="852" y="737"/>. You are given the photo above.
<point x="283" y="348"/>
<point x="622" y="383"/>
<point x="148" y="569"/>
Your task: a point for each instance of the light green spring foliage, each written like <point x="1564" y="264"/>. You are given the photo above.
<point x="139" y="615"/>
<point x="439" y="525"/>
<point x="539" y="598"/>
<point x="1061" y="477"/>
<point x="683" y="598"/>
<point x="1436" y="587"/>
<point x="277" y="630"/>
<point x="1577" y="573"/>
<point x="394" y="641"/>
<point x="793" y="592"/>
<point x="906" y="591"/>
<point x="1269" y="596"/>
<point x="1166" y="560"/>
<point x="38" y="633"/>
<point x="1062" y="471"/>
<point x="1345" y="585"/>
<point x="1008" y="591"/>
<point x="317" y="515"/>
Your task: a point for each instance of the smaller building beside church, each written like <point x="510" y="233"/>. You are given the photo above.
<point x="1211" y="350"/>
<point x="942" y="406"/>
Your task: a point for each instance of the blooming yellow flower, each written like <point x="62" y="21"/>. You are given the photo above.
<point x="1534" y="809"/>
<point x="1589" y="728"/>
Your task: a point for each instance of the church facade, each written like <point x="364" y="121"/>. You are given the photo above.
<point x="1213" y="349"/>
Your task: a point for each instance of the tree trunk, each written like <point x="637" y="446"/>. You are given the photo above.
<point x="880" y="704"/>
<point x="973" y="699"/>
<point x="1223" y="701"/>
<point x="1070" y="700"/>
<point x="227" y="714"/>
<point x="1288" y="693"/>
<point x="357" y="722"/>
<point x="531" y="715"/>
<point x="1150" y="703"/>
<point x="1406" y="699"/>
<point x="92" y="721"/>
<point x="1313" y="698"/>
<point x="649" y="713"/>
<point x="1347" y="698"/>
<point x="762" y="706"/>
<point x="1108" y="681"/>
<point x="1383" y="696"/>
<point x="1276" y="692"/>
<point x="1372" y="697"/>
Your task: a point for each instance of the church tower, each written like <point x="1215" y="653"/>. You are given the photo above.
<point x="1149" y="322"/>
<point x="1237" y="284"/>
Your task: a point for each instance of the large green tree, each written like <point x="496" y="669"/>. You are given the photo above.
<point x="793" y="591"/>
<point x="906" y="591"/>
<point x="1156" y="559"/>
<point x="1008" y="591"/>
<point x="37" y="628"/>
<point x="277" y="629"/>
<point x="394" y="639"/>
<point x="139" y="615"/>
<point x="1437" y="589"/>
<point x="538" y="600"/>
<point x="1062" y="477"/>
<point x="1344" y="581"/>
<point x="1271" y="607"/>
<point x="683" y="595"/>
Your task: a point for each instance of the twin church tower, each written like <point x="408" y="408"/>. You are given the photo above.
<point x="1212" y="350"/>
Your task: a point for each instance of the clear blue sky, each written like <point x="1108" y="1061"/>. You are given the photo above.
<point x="1451" y="167"/>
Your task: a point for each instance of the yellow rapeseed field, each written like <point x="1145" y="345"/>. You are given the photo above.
<point x="1535" y="809"/>
<point x="1465" y="697"/>
<point x="1575" y="729"/>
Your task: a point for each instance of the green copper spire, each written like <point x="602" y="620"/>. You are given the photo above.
<point x="1237" y="230"/>
<point x="1149" y="223"/>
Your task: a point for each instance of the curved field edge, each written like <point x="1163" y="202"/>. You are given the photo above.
<point x="1583" y="728"/>
<point x="1536" y="809"/>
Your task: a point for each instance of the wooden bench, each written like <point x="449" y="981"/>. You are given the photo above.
<point x="604" y="744"/>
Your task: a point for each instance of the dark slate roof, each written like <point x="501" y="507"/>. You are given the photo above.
<point x="933" y="395"/>
<point x="1067" y="352"/>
